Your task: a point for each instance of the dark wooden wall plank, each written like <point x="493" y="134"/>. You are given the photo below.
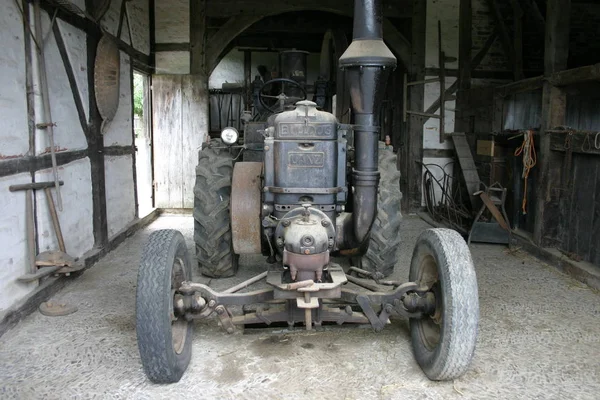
<point x="582" y="206"/>
<point x="594" y="256"/>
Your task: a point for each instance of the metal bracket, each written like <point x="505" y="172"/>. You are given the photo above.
<point x="225" y="318"/>
<point x="376" y="322"/>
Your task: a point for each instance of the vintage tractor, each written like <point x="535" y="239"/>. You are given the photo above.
<point x="323" y="189"/>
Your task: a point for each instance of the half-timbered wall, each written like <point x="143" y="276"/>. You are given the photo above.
<point x="98" y="195"/>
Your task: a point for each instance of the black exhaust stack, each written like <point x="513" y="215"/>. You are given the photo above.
<point x="367" y="64"/>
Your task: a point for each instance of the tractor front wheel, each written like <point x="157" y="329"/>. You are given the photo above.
<point x="164" y="340"/>
<point x="444" y="342"/>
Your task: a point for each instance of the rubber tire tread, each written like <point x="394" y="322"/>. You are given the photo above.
<point x="452" y="356"/>
<point x="154" y="307"/>
<point x="212" y="216"/>
<point x="384" y="242"/>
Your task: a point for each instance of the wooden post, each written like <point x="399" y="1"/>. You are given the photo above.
<point x="547" y="210"/>
<point x="416" y="96"/>
<point x="247" y="79"/>
<point x="465" y="43"/>
<point x="442" y="66"/>
<point x="197" y="37"/>
<point x="518" y="38"/>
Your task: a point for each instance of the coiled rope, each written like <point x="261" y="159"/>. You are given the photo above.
<point x="527" y="150"/>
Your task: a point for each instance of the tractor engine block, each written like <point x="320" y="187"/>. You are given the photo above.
<point x="305" y="186"/>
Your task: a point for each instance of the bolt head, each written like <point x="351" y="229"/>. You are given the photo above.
<point x="279" y="242"/>
<point x="220" y="310"/>
<point x="286" y="222"/>
<point x="212" y="303"/>
<point x="325" y="223"/>
<point x="230" y="329"/>
<point x="179" y="303"/>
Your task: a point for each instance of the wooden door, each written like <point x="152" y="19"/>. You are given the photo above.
<point x="180" y="121"/>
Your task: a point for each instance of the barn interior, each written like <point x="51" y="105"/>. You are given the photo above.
<point x="492" y="111"/>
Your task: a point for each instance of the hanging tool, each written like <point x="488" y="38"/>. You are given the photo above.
<point x="53" y="260"/>
<point x="48" y="124"/>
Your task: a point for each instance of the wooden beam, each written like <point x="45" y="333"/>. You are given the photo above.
<point x="474" y="64"/>
<point x="532" y="9"/>
<point x="518" y="38"/>
<point x="590" y="73"/>
<point x="465" y="43"/>
<point x="247" y="78"/>
<point x="172" y="47"/>
<point x="19" y="165"/>
<point x="504" y="36"/>
<point x="118" y="150"/>
<point x="548" y="210"/>
<point x="197" y="37"/>
<point x="71" y="78"/>
<point x="92" y="28"/>
<point x="152" y="27"/>
<point x="580" y="142"/>
<point x="225" y="35"/>
<point x="413" y="150"/>
<point x="235" y="25"/>
<point x="95" y="144"/>
<point x="397" y="43"/>
<point x="232" y="8"/>
<point x="524" y="85"/>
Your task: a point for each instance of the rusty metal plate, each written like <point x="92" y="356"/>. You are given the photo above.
<point x="106" y="77"/>
<point x="245" y="207"/>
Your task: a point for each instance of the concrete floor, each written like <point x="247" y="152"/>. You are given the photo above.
<point x="539" y="339"/>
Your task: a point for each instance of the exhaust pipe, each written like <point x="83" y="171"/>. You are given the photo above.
<point x="367" y="64"/>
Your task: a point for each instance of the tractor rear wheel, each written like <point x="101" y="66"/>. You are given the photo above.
<point x="384" y="243"/>
<point x="212" y="217"/>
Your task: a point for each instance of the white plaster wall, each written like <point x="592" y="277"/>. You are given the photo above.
<point x="76" y="217"/>
<point x="431" y="128"/>
<point x="231" y="67"/>
<point x="14" y="135"/>
<point x="68" y="133"/>
<point x="447" y="12"/>
<point x="119" y="130"/>
<point x="110" y="20"/>
<point x="13" y="251"/>
<point x="75" y="42"/>
<point x="139" y="18"/>
<point x="120" y="202"/>
<point x="172" y="21"/>
<point x="173" y="62"/>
